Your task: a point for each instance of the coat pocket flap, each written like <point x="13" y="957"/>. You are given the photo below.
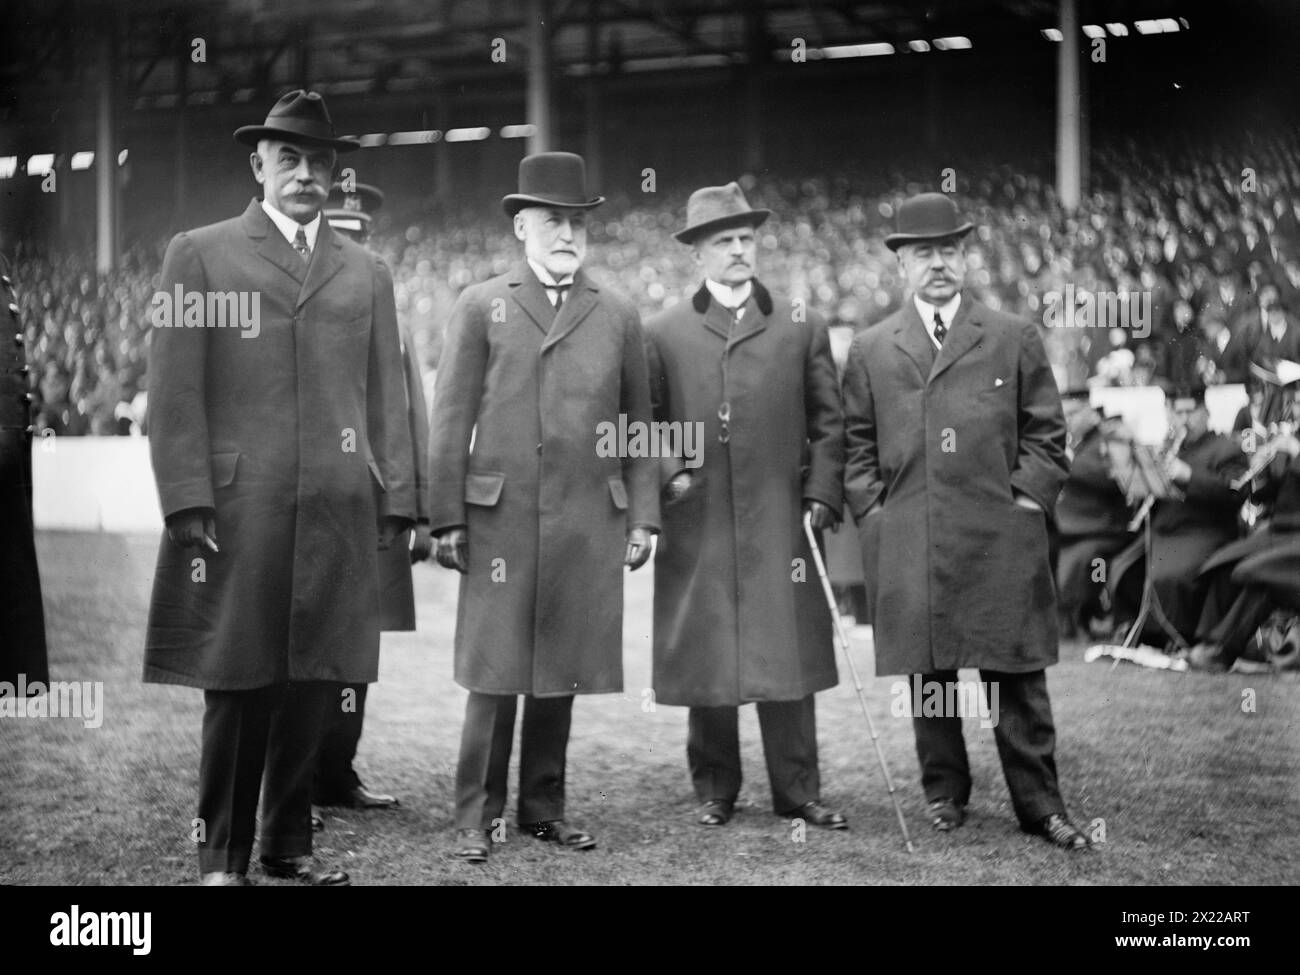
<point x="223" y="469"/>
<point x="484" y="488"/>
<point x="618" y="491"/>
<point x="374" y="472"/>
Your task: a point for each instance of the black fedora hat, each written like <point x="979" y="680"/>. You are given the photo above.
<point x="352" y="210"/>
<point x="927" y="216"/>
<point x="301" y="117"/>
<point x="551" y="179"/>
<point x="717" y="208"/>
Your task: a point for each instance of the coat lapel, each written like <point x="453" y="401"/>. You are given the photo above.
<point x="964" y="335"/>
<point x="271" y="243"/>
<point x="531" y="296"/>
<point x="911" y="336"/>
<point x="751" y="323"/>
<point x="581" y="300"/>
<point x="326" y="261"/>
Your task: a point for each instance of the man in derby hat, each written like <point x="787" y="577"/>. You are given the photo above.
<point x="734" y="622"/>
<point x="526" y="503"/>
<point x="281" y="474"/>
<point x="350" y="210"/>
<point x="955" y="455"/>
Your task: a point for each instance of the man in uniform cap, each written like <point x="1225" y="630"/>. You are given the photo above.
<point x="350" y="210"/>
<point x="525" y="503"/>
<point x="955" y="456"/>
<point x="733" y="621"/>
<point x="281" y="474"/>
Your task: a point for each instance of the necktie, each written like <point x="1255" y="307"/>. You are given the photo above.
<point x="560" y="290"/>
<point x="939" y="329"/>
<point x="300" y="245"/>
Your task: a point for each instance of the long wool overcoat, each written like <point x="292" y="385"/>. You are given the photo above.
<point x="288" y="435"/>
<point x="739" y="613"/>
<point x="958" y="575"/>
<point x="517" y="455"/>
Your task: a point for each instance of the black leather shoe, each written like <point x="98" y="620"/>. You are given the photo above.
<point x="1059" y="831"/>
<point x="362" y="798"/>
<point x="317" y="821"/>
<point x="945" y="814"/>
<point x="299" y="868"/>
<point x="219" y="879"/>
<point x="819" y="814"/>
<point x="558" y="831"/>
<point x="716" y="812"/>
<point x="471" y="845"/>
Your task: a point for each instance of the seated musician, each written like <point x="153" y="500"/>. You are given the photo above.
<point x="1187" y="527"/>
<point x="1250" y="578"/>
<point x="1091" y="517"/>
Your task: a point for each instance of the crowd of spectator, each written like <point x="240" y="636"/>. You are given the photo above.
<point x="1207" y="235"/>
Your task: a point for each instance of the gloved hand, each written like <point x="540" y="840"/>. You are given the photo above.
<point x="452" y="550"/>
<point x="678" y="486"/>
<point x="421" y="543"/>
<point x="390" y="526"/>
<point x="638" y="548"/>
<point x="195" y="527"/>
<point x="822" y="517"/>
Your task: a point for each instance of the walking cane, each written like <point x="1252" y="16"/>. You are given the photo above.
<point x="857" y="683"/>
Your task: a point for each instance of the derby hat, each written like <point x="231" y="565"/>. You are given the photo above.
<point x="551" y="179"/>
<point x="352" y="209"/>
<point x="927" y="216"/>
<point x="300" y="117"/>
<point x="714" y="208"/>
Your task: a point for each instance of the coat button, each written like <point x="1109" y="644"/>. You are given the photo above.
<point x="18" y="338"/>
<point x="539" y="448"/>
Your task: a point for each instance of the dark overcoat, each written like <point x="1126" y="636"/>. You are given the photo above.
<point x="287" y="435"/>
<point x="739" y="613"/>
<point x="958" y="574"/>
<point x="515" y="454"/>
<point x="396" y="591"/>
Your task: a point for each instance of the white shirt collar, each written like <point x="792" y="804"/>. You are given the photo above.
<point x="544" y="276"/>
<point x="729" y="297"/>
<point x="289" y="226"/>
<point x="947" y="312"/>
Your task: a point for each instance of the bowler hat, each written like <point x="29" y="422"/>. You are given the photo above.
<point x="301" y="117"/>
<point x="717" y="208"/>
<point x="351" y="210"/>
<point x="551" y="179"/>
<point x="927" y="216"/>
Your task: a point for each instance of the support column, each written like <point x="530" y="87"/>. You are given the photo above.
<point x="752" y="91"/>
<point x="591" y="147"/>
<point x="441" y="151"/>
<point x="1069" y="137"/>
<point x="539" y="76"/>
<point x="106" y="182"/>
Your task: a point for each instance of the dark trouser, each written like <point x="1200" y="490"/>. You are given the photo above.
<point x="22" y="616"/>
<point x="264" y="739"/>
<point x="789" y="730"/>
<point x="335" y="777"/>
<point x="1246" y="614"/>
<point x="1025" y="736"/>
<point x="485" y="743"/>
<point x="1078" y="590"/>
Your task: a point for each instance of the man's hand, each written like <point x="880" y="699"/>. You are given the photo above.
<point x="452" y="550"/>
<point x="821" y="516"/>
<point x="195" y="527"/>
<point x="678" y="486"/>
<point x="1025" y="501"/>
<point x="389" y="528"/>
<point x="1178" y="471"/>
<point x="638" y="548"/>
<point x="421" y="542"/>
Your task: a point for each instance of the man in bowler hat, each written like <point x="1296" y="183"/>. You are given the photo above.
<point x="281" y="474"/>
<point x="733" y="623"/>
<point x="526" y="505"/>
<point x="955" y="455"/>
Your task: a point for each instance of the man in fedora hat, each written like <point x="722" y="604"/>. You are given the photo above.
<point x="281" y="473"/>
<point x="529" y="506"/>
<point x="955" y="455"/>
<point x="734" y="619"/>
<point x="350" y="210"/>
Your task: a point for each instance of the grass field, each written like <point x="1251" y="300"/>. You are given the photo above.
<point x="1190" y="787"/>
